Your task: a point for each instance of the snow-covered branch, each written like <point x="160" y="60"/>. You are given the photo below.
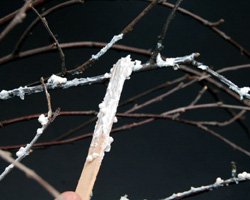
<point x="244" y="176"/>
<point x="44" y="121"/>
<point x="190" y="59"/>
<point x="25" y="151"/>
<point x="59" y="82"/>
<point x="115" y="39"/>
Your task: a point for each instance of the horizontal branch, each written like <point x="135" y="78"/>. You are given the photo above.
<point x="64" y="83"/>
<point x="242" y="177"/>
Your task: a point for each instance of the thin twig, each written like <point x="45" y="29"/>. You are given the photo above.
<point x="45" y="122"/>
<point x="22" y="91"/>
<point x="46" y="49"/>
<point x="7" y="122"/>
<point x="212" y="25"/>
<point x="217" y="135"/>
<point x="30" y="173"/>
<point x="239" y="119"/>
<point x="46" y="25"/>
<point x="17" y="19"/>
<point x="116" y="38"/>
<point x="159" y="46"/>
<point x="224" y="123"/>
<point x="25" y="34"/>
<point x="151" y="90"/>
<point x="48" y="98"/>
<point x="10" y="16"/>
<point x="241" y="91"/>
<point x="242" y="177"/>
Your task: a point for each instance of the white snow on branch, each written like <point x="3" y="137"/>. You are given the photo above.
<point x="243" y="92"/>
<point x="59" y="82"/>
<point x="137" y="65"/>
<point x="43" y="120"/>
<point x="22" y="91"/>
<point x="164" y="63"/>
<point x="217" y="184"/>
<point x="125" y="197"/>
<point x="55" y="80"/>
<point x="25" y="151"/>
<point x="175" y="62"/>
<point x="244" y="176"/>
<point x="107" y="47"/>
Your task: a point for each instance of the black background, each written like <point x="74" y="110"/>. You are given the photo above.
<point x="149" y="162"/>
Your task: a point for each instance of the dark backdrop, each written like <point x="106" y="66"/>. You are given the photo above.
<point x="152" y="161"/>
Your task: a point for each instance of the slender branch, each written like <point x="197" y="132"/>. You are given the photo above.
<point x="159" y="46"/>
<point x="30" y="173"/>
<point x="46" y="25"/>
<point x="25" y="34"/>
<point x="10" y="16"/>
<point x="17" y="19"/>
<point x="165" y="115"/>
<point x="224" y="123"/>
<point x="212" y="25"/>
<point x="196" y="99"/>
<point x="149" y="118"/>
<point x="242" y="177"/>
<point x="45" y="49"/>
<point x="242" y="92"/>
<point x="22" y="91"/>
<point x="116" y="38"/>
<point x="48" y="98"/>
<point x="217" y="135"/>
<point x="45" y="122"/>
<point x="7" y="122"/>
<point x="26" y="149"/>
<point x="239" y="119"/>
<point x="151" y="90"/>
<point x="132" y="24"/>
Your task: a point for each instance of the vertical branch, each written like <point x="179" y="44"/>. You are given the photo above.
<point x="101" y="140"/>
<point x="46" y="25"/>
<point x="161" y="37"/>
<point x="48" y="98"/>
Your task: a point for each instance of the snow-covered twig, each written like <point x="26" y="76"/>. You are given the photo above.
<point x="101" y="140"/>
<point x="59" y="82"/>
<point x="30" y="173"/>
<point x="115" y="39"/>
<point x="53" y="83"/>
<point x="190" y="59"/>
<point x="25" y="151"/>
<point x="218" y="183"/>
<point x="44" y="121"/>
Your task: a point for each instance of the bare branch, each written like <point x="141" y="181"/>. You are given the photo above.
<point x="30" y="173"/>
<point x="45" y="23"/>
<point x="17" y="19"/>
